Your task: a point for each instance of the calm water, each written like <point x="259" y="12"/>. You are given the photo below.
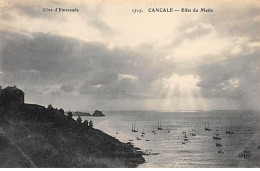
<point x="199" y="150"/>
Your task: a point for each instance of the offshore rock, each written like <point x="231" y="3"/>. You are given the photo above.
<point x="98" y="113"/>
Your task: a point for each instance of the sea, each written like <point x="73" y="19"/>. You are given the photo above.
<point x="168" y="147"/>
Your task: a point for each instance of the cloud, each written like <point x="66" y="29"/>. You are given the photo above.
<point x="86" y="68"/>
<point x="99" y="54"/>
<point x="237" y="19"/>
<point x="68" y="88"/>
<point x="234" y="77"/>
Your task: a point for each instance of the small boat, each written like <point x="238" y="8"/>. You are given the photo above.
<point x="142" y="135"/>
<point x="218" y="144"/>
<point x="183" y="143"/>
<point x="228" y="131"/>
<point x="153" y="131"/>
<point x="220" y="151"/>
<point x="169" y="131"/>
<point x="137" y="138"/>
<point x="245" y="154"/>
<point x="193" y="134"/>
<point x="116" y="132"/>
<point x="216" y="132"/>
<point x="134" y="128"/>
<point x="143" y="132"/>
<point x="146" y="140"/>
<point x="207" y="127"/>
<point x="130" y="140"/>
<point x="216" y="136"/>
<point x="159" y="126"/>
<point x="185" y="137"/>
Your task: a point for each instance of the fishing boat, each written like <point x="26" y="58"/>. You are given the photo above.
<point x="245" y="154"/>
<point x="218" y="144"/>
<point x="143" y="132"/>
<point x="185" y="137"/>
<point x="216" y="136"/>
<point x="228" y="131"/>
<point x="153" y="131"/>
<point x="216" y="132"/>
<point x="193" y="134"/>
<point x="134" y="128"/>
<point x="159" y="126"/>
<point x="207" y="127"/>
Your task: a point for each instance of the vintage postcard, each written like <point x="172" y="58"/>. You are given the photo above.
<point x="120" y="83"/>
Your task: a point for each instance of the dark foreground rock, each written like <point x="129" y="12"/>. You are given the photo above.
<point x="50" y="139"/>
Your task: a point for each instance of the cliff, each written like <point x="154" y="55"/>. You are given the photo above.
<point x="44" y="137"/>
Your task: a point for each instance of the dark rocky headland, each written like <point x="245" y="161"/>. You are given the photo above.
<point x="48" y="138"/>
<point x="34" y="136"/>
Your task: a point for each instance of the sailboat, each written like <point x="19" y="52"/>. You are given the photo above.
<point x="193" y="134"/>
<point x="218" y="144"/>
<point x="143" y="132"/>
<point x="159" y="126"/>
<point x="134" y="129"/>
<point x="153" y="131"/>
<point x="185" y="137"/>
<point x="137" y="138"/>
<point x="216" y="132"/>
<point x="216" y="136"/>
<point x="228" y="131"/>
<point x="207" y="127"/>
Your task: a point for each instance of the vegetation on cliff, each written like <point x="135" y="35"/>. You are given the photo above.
<point x="44" y="137"/>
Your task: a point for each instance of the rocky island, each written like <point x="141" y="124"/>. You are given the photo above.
<point x="81" y="114"/>
<point x="97" y="113"/>
<point x="34" y="136"/>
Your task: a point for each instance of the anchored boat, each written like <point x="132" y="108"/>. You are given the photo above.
<point x="159" y="126"/>
<point x="218" y="144"/>
<point x="134" y="129"/>
<point x="207" y="127"/>
<point x="228" y="131"/>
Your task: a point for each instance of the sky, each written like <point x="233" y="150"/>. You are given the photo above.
<point x="106" y="57"/>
